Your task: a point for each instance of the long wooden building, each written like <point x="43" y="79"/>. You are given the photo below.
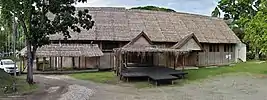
<point x="208" y="40"/>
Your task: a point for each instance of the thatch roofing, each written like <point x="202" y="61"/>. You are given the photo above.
<point x="120" y="24"/>
<point x="185" y="40"/>
<point x="131" y="44"/>
<point x="145" y="46"/>
<point x="67" y="50"/>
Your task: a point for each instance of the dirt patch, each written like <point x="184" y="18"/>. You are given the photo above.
<point x="225" y="87"/>
<point x="233" y="87"/>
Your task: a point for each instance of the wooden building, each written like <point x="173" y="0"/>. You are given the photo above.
<point x="209" y="40"/>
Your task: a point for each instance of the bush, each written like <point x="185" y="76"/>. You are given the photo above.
<point x="250" y="56"/>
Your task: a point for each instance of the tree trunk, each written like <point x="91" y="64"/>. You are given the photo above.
<point x="29" y="64"/>
<point x="257" y="55"/>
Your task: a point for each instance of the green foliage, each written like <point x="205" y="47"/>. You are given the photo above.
<point x="3" y="40"/>
<point x="154" y="8"/>
<point x="247" y="21"/>
<point x="41" y="18"/>
<point x="7" y="80"/>
<point x="256" y="29"/>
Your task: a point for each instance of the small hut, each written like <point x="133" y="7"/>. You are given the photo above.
<point x="77" y="56"/>
<point x="140" y="52"/>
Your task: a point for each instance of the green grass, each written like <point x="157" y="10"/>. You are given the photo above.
<point x="194" y="75"/>
<point x="248" y="67"/>
<point x="21" y="85"/>
<point x="101" y="77"/>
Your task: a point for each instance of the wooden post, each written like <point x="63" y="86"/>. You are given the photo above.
<point x="21" y="66"/>
<point x="56" y="61"/>
<point x="37" y="65"/>
<point x="73" y="63"/>
<point x="24" y="64"/>
<point x="61" y="66"/>
<point x="158" y="57"/>
<point x="174" y="67"/>
<point x="183" y="62"/>
<point x="79" y="62"/>
<point x="44" y="59"/>
<point x="50" y="62"/>
<point x="85" y="62"/>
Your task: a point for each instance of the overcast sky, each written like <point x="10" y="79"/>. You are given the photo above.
<point x="203" y="7"/>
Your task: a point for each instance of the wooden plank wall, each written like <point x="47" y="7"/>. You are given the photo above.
<point x="207" y="58"/>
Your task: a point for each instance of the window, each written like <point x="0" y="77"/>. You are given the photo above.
<point x="214" y="48"/>
<point x="8" y="62"/>
<point x="228" y="48"/>
<point x="109" y="46"/>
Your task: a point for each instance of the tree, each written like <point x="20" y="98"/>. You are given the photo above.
<point x="3" y="40"/>
<point x="256" y="30"/>
<point x="154" y="8"/>
<point x="238" y="12"/>
<point x="32" y="16"/>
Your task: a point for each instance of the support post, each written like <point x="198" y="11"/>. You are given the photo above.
<point x="183" y="62"/>
<point x="37" y="63"/>
<point x="56" y="63"/>
<point x="20" y="66"/>
<point x="23" y="63"/>
<point x="61" y="66"/>
<point x="79" y="62"/>
<point x="73" y="63"/>
<point x="174" y="67"/>
<point x="50" y="62"/>
<point x="85" y="62"/>
<point x="44" y="59"/>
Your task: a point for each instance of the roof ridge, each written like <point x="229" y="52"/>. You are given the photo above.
<point x="177" y="12"/>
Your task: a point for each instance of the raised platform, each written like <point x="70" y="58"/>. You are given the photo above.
<point x="156" y="74"/>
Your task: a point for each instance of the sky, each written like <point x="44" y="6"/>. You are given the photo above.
<point x="202" y="7"/>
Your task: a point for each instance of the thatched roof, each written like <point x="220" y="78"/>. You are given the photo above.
<point x="185" y="40"/>
<point x="67" y="50"/>
<point x="142" y="43"/>
<point x="120" y="24"/>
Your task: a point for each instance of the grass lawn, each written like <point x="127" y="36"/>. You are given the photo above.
<point x="249" y="67"/>
<point x="101" y="77"/>
<point x="21" y="85"/>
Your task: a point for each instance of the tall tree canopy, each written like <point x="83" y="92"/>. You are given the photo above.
<point x="256" y="30"/>
<point x="32" y="17"/>
<point x="154" y="8"/>
<point x="242" y="13"/>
